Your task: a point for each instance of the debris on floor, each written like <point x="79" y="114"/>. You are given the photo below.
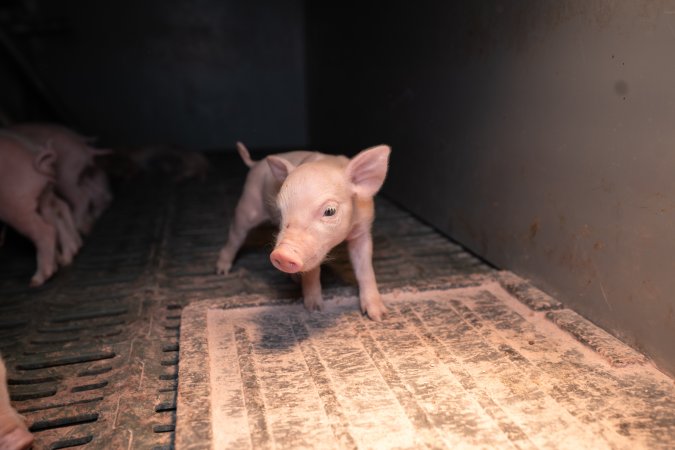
<point x="457" y="367"/>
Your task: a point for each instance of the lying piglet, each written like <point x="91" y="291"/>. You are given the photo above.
<point x="24" y="177"/>
<point x="178" y="163"/>
<point x="319" y="201"/>
<point x="75" y="159"/>
<point x="14" y="434"/>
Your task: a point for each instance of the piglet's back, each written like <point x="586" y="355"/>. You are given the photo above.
<point x="18" y="177"/>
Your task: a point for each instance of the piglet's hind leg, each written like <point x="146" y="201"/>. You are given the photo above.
<point x="43" y="235"/>
<point x="248" y="214"/>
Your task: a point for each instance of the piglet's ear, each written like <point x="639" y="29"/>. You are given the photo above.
<point x="280" y="167"/>
<point x="367" y="170"/>
<point x="45" y="161"/>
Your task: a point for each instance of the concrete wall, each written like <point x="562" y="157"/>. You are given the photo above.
<point x="196" y="73"/>
<point x="541" y="135"/>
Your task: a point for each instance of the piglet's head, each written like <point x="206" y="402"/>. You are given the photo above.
<point x="318" y="201"/>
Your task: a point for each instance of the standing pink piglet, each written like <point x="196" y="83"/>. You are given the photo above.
<point x="319" y="201"/>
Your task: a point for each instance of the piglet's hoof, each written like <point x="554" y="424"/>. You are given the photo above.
<point x="375" y="310"/>
<point x="38" y="280"/>
<point x="314" y="304"/>
<point x="65" y="258"/>
<point x="223" y="268"/>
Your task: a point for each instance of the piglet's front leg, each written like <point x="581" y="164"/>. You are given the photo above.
<point x="311" y="289"/>
<point x="361" y="256"/>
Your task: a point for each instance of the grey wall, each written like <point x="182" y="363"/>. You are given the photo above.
<point x="539" y="134"/>
<point x="200" y="73"/>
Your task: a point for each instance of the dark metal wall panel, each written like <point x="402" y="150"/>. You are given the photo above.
<point x="202" y="74"/>
<point x="539" y="134"/>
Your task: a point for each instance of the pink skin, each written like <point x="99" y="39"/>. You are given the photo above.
<point x="57" y="213"/>
<point x="319" y="201"/>
<point x="14" y="434"/>
<point x="75" y="157"/>
<point x="24" y="176"/>
<point x="95" y="183"/>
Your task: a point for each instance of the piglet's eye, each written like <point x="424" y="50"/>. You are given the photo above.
<point x="330" y="211"/>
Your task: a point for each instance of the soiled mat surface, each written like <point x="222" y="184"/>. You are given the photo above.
<point x="494" y="365"/>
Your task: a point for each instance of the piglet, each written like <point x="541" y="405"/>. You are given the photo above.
<point x="50" y="207"/>
<point x="24" y="177"/>
<point x="319" y="201"/>
<point x="14" y="434"/>
<point x="178" y="163"/>
<point x="75" y="160"/>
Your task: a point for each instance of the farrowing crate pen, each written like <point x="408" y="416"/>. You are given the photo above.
<point x="523" y="238"/>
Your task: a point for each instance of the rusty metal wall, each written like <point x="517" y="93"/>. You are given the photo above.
<point x="539" y="134"/>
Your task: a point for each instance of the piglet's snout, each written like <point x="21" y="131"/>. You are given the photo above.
<point x="286" y="259"/>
